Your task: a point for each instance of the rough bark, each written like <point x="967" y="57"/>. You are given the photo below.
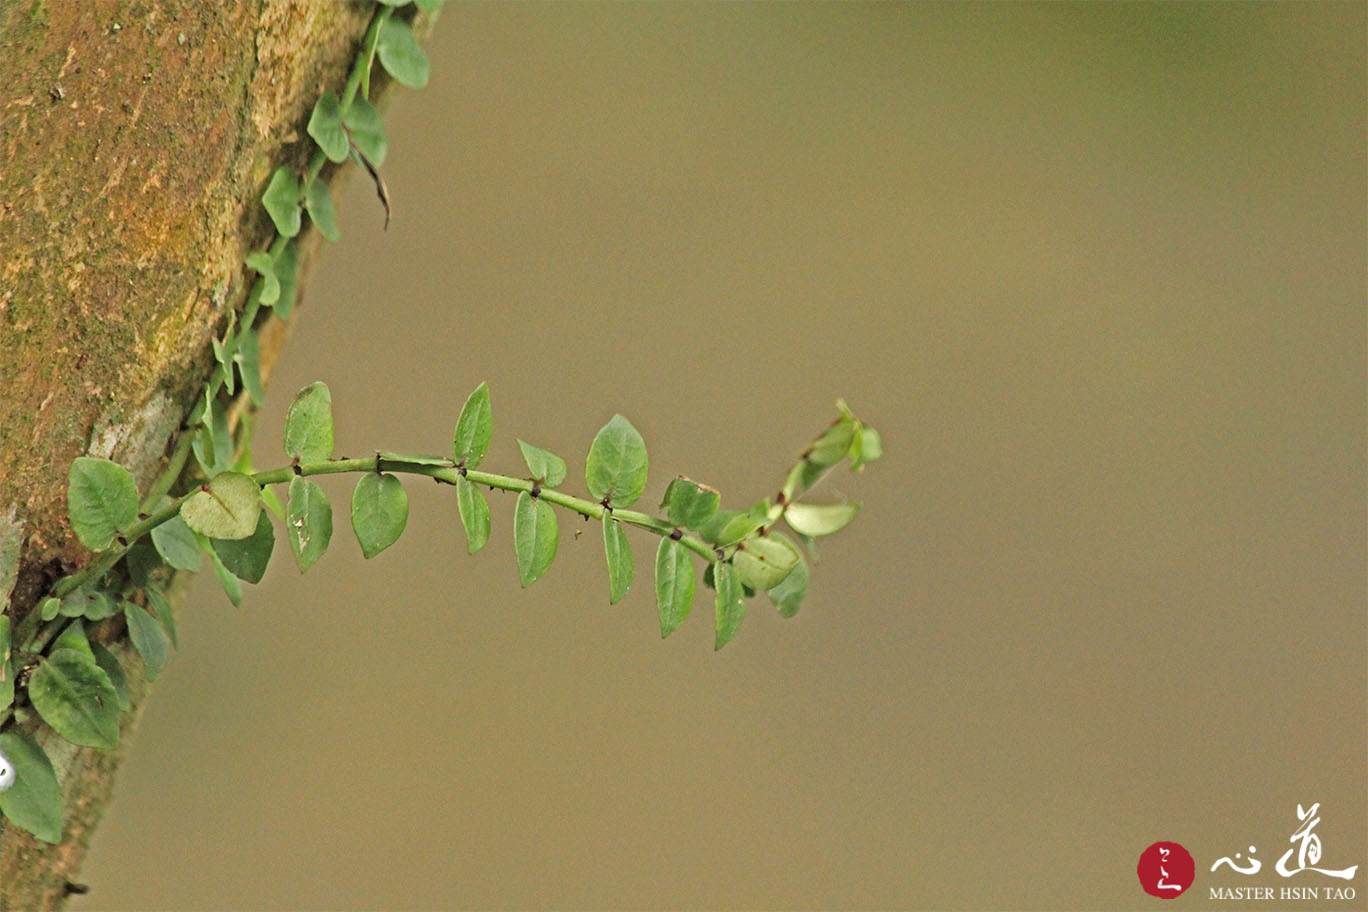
<point x="136" y="137"/>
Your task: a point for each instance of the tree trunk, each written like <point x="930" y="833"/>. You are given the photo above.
<point x="136" y="137"/>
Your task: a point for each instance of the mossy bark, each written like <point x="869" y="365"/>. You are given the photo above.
<point x="136" y="137"/>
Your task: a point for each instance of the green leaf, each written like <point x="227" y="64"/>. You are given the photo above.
<point x="162" y="607"/>
<point x="763" y="562"/>
<point x="51" y="607"/>
<point x="287" y="271"/>
<point x="148" y="638"/>
<point x="367" y="130"/>
<point x="535" y="537"/>
<point x="6" y="667"/>
<point x="281" y="200"/>
<point x="615" y="469"/>
<point x="832" y="446"/>
<point x="318" y="200"/>
<point x="34" y="802"/>
<point x="474" y="427"/>
<point x="819" y="519"/>
<point x="176" y="544"/>
<point x="729" y="527"/>
<point x="400" y="54"/>
<point x="546" y="467"/>
<point x="689" y="504"/>
<point x="620" y="565"/>
<point x="730" y="604"/>
<point x="141" y="561"/>
<point x="213" y="444"/>
<point x="309" y="424"/>
<point x="309" y="522"/>
<point x="102" y="500"/>
<point x="674" y="584"/>
<point x="248" y="360"/>
<point x="474" y="510"/>
<point x="788" y="595"/>
<point x="261" y="262"/>
<point x="867" y="447"/>
<point x="247" y="557"/>
<point x="325" y="126"/>
<point x="76" y="698"/>
<point x="227" y="507"/>
<point x="231" y="586"/>
<point x="109" y="664"/>
<point x="89" y="603"/>
<point x="379" y="512"/>
<point x="74" y="637"/>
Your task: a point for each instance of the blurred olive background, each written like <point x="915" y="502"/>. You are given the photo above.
<point x="1098" y="274"/>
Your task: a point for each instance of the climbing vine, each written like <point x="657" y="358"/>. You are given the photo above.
<point x="221" y="508"/>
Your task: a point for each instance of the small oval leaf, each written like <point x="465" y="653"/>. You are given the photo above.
<point x="546" y="467"/>
<point x="689" y="504"/>
<point x="819" y="519"/>
<point x="474" y="427"/>
<point x="379" y="512"/>
<point x="148" y="638"/>
<point x="615" y="469"/>
<point x="102" y="500"/>
<point x="247" y="557"/>
<point x="325" y="126"/>
<point x="308" y="522"/>
<point x="281" y="200"/>
<point x="76" y="698"/>
<point x="402" y="57"/>
<point x="674" y="584"/>
<point x="318" y="200"/>
<point x="474" y="510"/>
<point x="109" y="664"/>
<point x="367" y="130"/>
<point x="730" y="603"/>
<point x="309" y="424"/>
<point x="788" y="595"/>
<point x="227" y="509"/>
<point x="176" y="544"/>
<point x="620" y="564"/>
<point x="34" y="802"/>
<point x="535" y="537"/>
<point x="763" y="562"/>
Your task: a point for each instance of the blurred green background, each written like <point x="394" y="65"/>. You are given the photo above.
<point x="1098" y="274"/>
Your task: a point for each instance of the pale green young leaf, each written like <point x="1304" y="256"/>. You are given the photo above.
<point x="763" y="562"/>
<point x="615" y="469"/>
<point x="247" y="557"/>
<point x="535" y="537"/>
<point x="867" y="447"/>
<point x="76" y="698"/>
<point x="689" y="504"/>
<point x="730" y="604"/>
<point x="227" y="507"/>
<point x="674" y="585"/>
<point x="367" y="130"/>
<point x="88" y="602"/>
<point x="400" y="54"/>
<point x="318" y="200"/>
<point x="109" y="664"/>
<point x="788" y="595"/>
<point x="50" y="608"/>
<point x="309" y="424"/>
<point x="729" y="526"/>
<point x="819" y="519"/>
<point x="308" y="522"/>
<point x="176" y="544"/>
<point x="474" y="510"/>
<point x="620" y="565"/>
<point x="158" y="603"/>
<point x="546" y="467"/>
<point x="148" y="638"/>
<point x="34" y="802"/>
<point x="474" y="428"/>
<point x="379" y="512"/>
<point x="261" y="262"/>
<point x="102" y="500"/>
<point x="281" y="200"/>
<point x="325" y="126"/>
